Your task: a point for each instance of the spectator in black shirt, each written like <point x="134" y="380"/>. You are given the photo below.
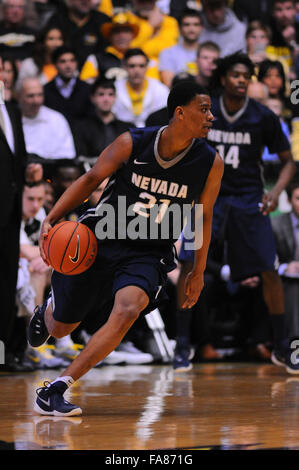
<point x="99" y="131"/>
<point x="252" y="11"/>
<point x="81" y="24"/>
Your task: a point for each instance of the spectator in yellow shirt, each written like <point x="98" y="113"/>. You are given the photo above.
<point x="156" y="31"/>
<point x="120" y="33"/>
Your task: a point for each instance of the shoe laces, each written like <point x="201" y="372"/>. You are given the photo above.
<point x="50" y="388"/>
<point x="36" y="309"/>
<point x="46" y="387"/>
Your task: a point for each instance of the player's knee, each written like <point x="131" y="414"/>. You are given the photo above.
<point x="127" y="312"/>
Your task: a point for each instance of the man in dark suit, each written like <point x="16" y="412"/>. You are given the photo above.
<point x="13" y="173"/>
<point x="66" y="93"/>
<point x="286" y="231"/>
<point x="95" y="133"/>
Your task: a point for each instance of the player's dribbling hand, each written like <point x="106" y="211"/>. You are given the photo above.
<point x="193" y="287"/>
<point x="46" y="227"/>
<point x="269" y="202"/>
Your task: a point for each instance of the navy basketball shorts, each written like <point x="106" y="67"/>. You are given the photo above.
<point x="248" y="233"/>
<point x="118" y="265"/>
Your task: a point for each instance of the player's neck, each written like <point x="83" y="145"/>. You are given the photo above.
<point x="172" y="142"/>
<point x="233" y="104"/>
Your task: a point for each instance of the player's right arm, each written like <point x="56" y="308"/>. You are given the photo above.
<point x="109" y="161"/>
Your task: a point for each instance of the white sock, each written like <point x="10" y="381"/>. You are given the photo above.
<point x="67" y="379"/>
<point x="65" y="342"/>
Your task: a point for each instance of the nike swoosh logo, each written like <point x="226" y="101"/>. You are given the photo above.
<point x="140" y="163"/>
<point x="75" y="258"/>
<point x="45" y="402"/>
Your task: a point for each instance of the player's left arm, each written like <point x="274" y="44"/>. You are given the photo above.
<point x="270" y="199"/>
<point x="194" y="280"/>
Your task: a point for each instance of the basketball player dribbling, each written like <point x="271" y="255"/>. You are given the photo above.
<point x="166" y="168"/>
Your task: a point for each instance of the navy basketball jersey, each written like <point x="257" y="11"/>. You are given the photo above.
<point x="240" y="140"/>
<point x="148" y="191"/>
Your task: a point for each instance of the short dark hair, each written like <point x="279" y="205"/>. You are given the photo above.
<point x="209" y="3"/>
<point x="34" y="184"/>
<point x="102" y="83"/>
<point x="226" y="63"/>
<point x="182" y="77"/>
<point x="133" y="52"/>
<point x="57" y="53"/>
<point x="282" y="1"/>
<point x="189" y="12"/>
<point x="182" y="94"/>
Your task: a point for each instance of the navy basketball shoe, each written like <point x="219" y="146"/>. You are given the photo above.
<point x="50" y="401"/>
<point x="181" y="361"/>
<point x="283" y="358"/>
<point x="37" y="333"/>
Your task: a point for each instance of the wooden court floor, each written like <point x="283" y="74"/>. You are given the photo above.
<point x="227" y="406"/>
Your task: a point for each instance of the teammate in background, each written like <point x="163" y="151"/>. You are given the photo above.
<point x="143" y="164"/>
<point x="242" y="128"/>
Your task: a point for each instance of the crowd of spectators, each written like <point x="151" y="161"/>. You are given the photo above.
<point x="81" y="72"/>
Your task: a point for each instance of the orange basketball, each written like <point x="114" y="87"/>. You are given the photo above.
<point x="70" y="248"/>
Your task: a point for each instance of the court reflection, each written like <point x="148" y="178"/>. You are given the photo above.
<point x="243" y="406"/>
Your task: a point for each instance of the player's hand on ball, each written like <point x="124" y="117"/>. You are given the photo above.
<point x="193" y="287"/>
<point x="46" y="227"/>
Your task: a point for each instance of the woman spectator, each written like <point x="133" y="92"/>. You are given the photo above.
<point x="10" y="75"/>
<point x="272" y="74"/>
<point x="40" y="64"/>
